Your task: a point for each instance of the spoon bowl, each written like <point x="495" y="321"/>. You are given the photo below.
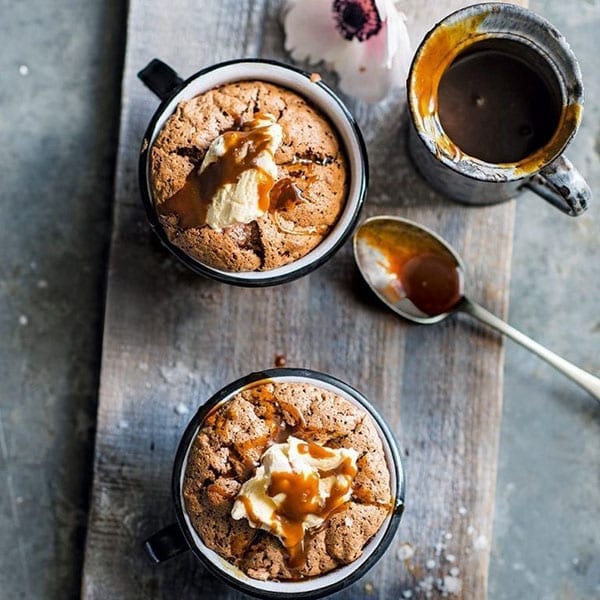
<point x="420" y="276"/>
<point x="394" y="254"/>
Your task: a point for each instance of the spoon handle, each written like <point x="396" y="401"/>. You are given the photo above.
<point x="586" y="380"/>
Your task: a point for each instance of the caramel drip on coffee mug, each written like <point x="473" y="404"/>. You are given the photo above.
<point x="431" y="64"/>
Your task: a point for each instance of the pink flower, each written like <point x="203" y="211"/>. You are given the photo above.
<point x="364" y="41"/>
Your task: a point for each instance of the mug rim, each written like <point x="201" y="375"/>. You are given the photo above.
<point x="274" y="374"/>
<point x="441" y="145"/>
<point x="353" y="204"/>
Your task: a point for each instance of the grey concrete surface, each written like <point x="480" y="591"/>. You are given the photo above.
<point x="59" y="100"/>
<point x="547" y="528"/>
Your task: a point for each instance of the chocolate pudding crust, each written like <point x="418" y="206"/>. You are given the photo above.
<point x="310" y="156"/>
<point x="228" y="448"/>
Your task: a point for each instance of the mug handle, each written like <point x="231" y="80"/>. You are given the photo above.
<point x="561" y="184"/>
<point x="160" y="78"/>
<point x="166" y="544"/>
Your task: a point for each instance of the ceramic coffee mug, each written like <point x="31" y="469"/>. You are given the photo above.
<point x="171" y="89"/>
<point x="181" y="537"/>
<point x="495" y="96"/>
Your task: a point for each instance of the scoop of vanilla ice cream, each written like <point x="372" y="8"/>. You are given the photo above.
<point x="254" y="502"/>
<point x="239" y="202"/>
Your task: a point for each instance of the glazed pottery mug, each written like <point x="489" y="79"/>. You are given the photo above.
<point x="172" y="90"/>
<point x="182" y="536"/>
<point x="495" y="96"/>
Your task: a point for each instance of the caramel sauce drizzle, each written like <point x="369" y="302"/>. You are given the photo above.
<point x="315" y="450"/>
<point x="284" y="195"/>
<point x="415" y="260"/>
<point x="242" y="150"/>
<point x="301" y="491"/>
<point x="302" y="499"/>
<point x="188" y="204"/>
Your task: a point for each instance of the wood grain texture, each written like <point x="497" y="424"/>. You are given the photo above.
<point x="172" y="339"/>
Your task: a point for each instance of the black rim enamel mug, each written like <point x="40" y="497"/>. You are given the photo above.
<point x="181" y="536"/>
<point x="171" y="89"/>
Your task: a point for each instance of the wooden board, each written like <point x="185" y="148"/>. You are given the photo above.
<point x="171" y="339"/>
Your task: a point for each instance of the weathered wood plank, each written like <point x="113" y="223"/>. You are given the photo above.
<point x="171" y="339"/>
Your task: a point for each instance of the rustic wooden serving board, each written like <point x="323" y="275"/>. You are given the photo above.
<point x="171" y="339"/>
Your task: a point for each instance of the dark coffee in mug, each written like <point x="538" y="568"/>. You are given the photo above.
<point x="496" y="106"/>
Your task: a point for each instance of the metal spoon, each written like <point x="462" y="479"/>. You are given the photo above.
<point x="421" y="277"/>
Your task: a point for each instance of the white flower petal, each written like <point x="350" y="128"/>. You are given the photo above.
<point x="384" y="8"/>
<point x="367" y="69"/>
<point x="310" y="32"/>
<point x="398" y="42"/>
<point x="362" y="73"/>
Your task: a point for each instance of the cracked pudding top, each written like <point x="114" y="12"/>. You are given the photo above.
<point x="248" y="177"/>
<point x="287" y="481"/>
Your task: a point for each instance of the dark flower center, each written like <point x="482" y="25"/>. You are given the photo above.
<point x="356" y="18"/>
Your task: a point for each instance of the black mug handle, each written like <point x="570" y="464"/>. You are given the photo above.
<point x="561" y="184"/>
<point x="166" y="544"/>
<point x="160" y="78"/>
